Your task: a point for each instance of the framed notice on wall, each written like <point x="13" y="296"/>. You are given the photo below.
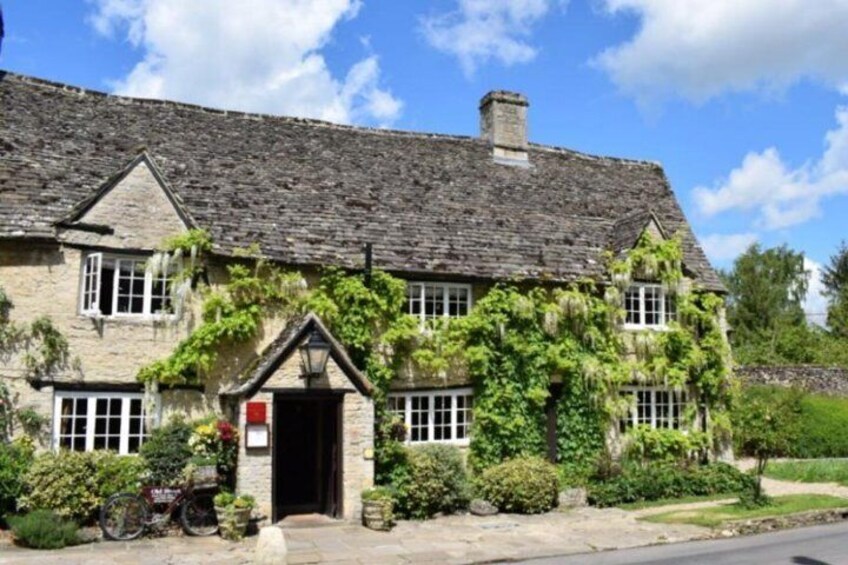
<point x="256" y="436"/>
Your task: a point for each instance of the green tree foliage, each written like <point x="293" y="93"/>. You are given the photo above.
<point x="766" y="426"/>
<point x="764" y="307"/>
<point x="835" y="280"/>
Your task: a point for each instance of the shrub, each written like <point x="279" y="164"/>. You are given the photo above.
<point x="43" y="529"/>
<point x="659" y="444"/>
<point x="637" y="483"/>
<point x="435" y="481"/>
<point x="15" y="460"/>
<point x="823" y="428"/>
<point x="167" y="452"/>
<point x="74" y="485"/>
<point x="527" y="485"/>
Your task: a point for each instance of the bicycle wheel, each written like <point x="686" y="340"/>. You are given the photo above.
<point x="197" y="515"/>
<point x="124" y="517"/>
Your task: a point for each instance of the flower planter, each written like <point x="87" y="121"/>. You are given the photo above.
<point x="377" y="514"/>
<point x="206" y="475"/>
<point x="232" y="522"/>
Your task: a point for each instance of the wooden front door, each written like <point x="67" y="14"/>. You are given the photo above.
<point x="307" y="455"/>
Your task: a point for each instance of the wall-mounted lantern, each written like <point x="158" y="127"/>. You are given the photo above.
<point x="314" y="354"/>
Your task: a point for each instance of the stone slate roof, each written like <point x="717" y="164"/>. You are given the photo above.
<point x="312" y="193"/>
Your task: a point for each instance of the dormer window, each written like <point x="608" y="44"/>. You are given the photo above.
<point x="648" y="306"/>
<point x="117" y="285"/>
<point x="431" y="301"/>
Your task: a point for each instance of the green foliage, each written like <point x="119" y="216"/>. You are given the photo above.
<point x="15" y="460"/>
<point x="525" y="485"/>
<point x="656" y="481"/>
<point x="227" y="499"/>
<point x="435" y="481"/>
<point x="811" y="471"/>
<point x="358" y="315"/>
<point x="43" y="529"/>
<point x="230" y="316"/>
<point x="7" y="414"/>
<point x="835" y="280"/>
<point x="766" y="291"/>
<point x="822" y="423"/>
<point x="651" y="259"/>
<point x="75" y="484"/>
<point x="766" y="425"/>
<point x="581" y="432"/>
<point x="166" y="452"/>
<point x="646" y="444"/>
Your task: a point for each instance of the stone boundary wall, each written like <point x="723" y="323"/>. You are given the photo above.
<point x="813" y="378"/>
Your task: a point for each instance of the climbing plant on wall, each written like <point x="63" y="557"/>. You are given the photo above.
<point x="515" y="342"/>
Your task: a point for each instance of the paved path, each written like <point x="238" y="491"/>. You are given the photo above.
<point x="817" y="545"/>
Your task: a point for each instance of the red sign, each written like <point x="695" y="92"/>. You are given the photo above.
<point x="256" y="412"/>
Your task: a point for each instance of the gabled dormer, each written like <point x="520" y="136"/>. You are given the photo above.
<point x="135" y="209"/>
<point x="118" y="228"/>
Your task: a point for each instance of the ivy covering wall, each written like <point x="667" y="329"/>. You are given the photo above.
<point x="516" y="342"/>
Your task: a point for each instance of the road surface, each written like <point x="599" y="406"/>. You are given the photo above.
<point x="816" y="545"/>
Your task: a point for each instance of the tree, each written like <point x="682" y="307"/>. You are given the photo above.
<point x="765" y="425"/>
<point x="835" y="280"/>
<point x="764" y="306"/>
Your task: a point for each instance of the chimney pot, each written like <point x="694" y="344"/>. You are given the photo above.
<point x="503" y="123"/>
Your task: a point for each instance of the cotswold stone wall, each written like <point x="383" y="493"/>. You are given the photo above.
<point x="828" y="380"/>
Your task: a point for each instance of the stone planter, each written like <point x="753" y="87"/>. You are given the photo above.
<point x="232" y="521"/>
<point x="377" y="514"/>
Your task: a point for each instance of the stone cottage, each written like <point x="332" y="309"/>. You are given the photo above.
<point x="91" y="184"/>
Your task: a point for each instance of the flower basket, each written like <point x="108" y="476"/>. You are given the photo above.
<point x="206" y="475"/>
<point x="377" y="509"/>
<point x="232" y="521"/>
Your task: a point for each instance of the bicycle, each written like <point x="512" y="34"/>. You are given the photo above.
<point x="126" y="516"/>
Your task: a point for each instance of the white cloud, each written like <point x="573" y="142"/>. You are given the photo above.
<point x="253" y="55"/>
<point x="725" y="247"/>
<point x="480" y="30"/>
<point x="700" y="48"/>
<point x="815" y="304"/>
<point x="783" y="196"/>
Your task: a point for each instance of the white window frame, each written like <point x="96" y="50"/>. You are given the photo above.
<point x="664" y="316"/>
<point x="92" y="267"/>
<point x="676" y="398"/>
<point x="92" y="309"/>
<point x="447" y="287"/>
<point x="431" y="395"/>
<point x="91" y="415"/>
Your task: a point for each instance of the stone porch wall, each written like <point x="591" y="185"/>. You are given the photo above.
<point x="254" y="475"/>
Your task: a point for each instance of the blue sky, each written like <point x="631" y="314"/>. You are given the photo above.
<point x="741" y="102"/>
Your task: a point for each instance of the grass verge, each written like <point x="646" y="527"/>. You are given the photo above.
<point x="717" y="515"/>
<point x="641" y="505"/>
<point x="812" y="471"/>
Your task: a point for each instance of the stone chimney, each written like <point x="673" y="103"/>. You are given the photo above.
<point x="503" y="123"/>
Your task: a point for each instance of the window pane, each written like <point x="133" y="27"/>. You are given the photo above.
<point x="464" y="415"/>
<point x="652" y="305"/>
<point x="457" y="301"/>
<point x="670" y="308"/>
<point x="110" y="424"/>
<point x="631" y="306"/>
<point x="413" y="298"/>
<point x="160" y="299"/>
<point x="130" y="286"/>
<point x="419" y="426"/>
<point x="442" y="418"/>
<point x="434" y="301"/>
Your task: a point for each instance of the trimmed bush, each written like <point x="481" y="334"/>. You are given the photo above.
<point x="658" y="481"/>
<point x="74" y="485"/>
<point x="43" y="529"/>
<point x="660" y="444"/>
<point x="435" y="481"/>
<point x="527" y="485"/>
<point x="167" y="452"/>
<point x="15" y="460"/>
<point x="823" y="423"/>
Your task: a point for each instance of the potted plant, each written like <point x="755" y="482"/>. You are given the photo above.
<point x="378" y="508"/>
<point x="202" y="470"/>
<point x="233" y="512"/>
